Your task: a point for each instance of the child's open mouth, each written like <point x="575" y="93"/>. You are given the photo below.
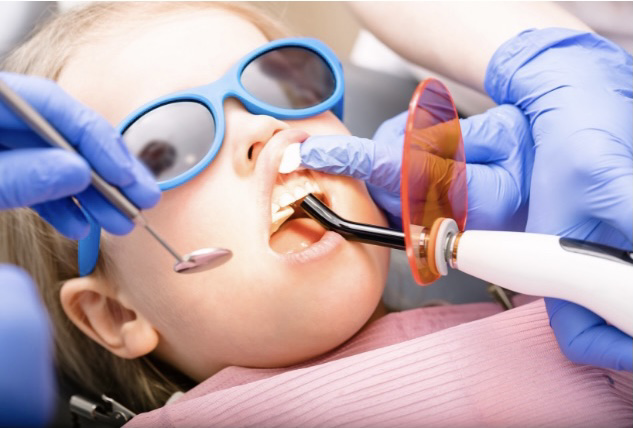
<point x="291" y="230"/>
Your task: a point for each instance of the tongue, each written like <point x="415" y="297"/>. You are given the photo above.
<point x="296" y="235"/>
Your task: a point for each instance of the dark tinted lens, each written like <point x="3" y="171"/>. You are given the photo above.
<point x="172" y="138"/>
<point x="289" y="77"/>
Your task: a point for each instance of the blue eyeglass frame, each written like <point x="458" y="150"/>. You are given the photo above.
<point x="212" y="96"/>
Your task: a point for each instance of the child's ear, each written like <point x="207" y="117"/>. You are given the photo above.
<point x="100" y="314"/>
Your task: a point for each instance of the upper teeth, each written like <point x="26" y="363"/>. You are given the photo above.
<point x="295" y="187"/>
<point x="289" y="197"/>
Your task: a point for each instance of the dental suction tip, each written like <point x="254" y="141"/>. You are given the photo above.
<point x="203" y="259"/>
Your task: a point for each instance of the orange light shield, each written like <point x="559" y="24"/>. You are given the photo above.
<point x="434" y="182"/>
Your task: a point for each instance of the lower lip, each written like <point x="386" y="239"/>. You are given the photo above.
<point x="327" y="245"/>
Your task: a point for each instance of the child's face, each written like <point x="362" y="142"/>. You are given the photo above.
<point x="263" y="308"/>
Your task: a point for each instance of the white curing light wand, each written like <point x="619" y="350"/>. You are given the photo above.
<point x="597" y="277"/>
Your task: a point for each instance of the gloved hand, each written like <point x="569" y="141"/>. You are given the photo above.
<point x="576" y="90"/>
<point x="36" y="175"/>
<point x="26" y="360"/>
<point x="499" y="156"/>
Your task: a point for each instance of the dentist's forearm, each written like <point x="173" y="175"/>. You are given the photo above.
<point x="457" y="39"/>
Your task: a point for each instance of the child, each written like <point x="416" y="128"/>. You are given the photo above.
<point x="135" y="330"/>
<point x="271" y="305"/>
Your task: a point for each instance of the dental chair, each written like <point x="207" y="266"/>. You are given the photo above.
<point x="371" y="98"/>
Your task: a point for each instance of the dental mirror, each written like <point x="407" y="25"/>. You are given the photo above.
<point x="203" y="259"/>
<point x="194" y="262"/>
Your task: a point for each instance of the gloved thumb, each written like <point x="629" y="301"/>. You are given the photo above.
<point x="361" y="158"/>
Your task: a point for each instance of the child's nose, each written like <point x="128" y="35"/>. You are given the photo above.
<point x="247" y="134"/>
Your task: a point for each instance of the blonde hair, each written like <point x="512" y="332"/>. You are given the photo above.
<point x="51" y="259"/>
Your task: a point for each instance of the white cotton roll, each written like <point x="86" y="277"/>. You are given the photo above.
<point x="291" y="159"/>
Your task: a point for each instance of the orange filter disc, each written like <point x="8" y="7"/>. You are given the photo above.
<point x="433" y="171"/>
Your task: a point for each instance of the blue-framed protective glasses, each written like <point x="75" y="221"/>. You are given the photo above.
<point x="178" y="135"/>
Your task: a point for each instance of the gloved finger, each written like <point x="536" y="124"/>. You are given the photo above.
<point x="389" y="140"/>
<point x="493" y="198"/>
<point x="389" y="202"/>
<point x="27" y="378"/>
<point x="392" y="130"/>
<point x="20" y="139"/>
<point x="602" y="233"/>
<point x="607" y="163"/>
<point x="340" y="155"/>
<point x="32" y="176"/>
<point x="95" y="139"/>
<point x="82" y="127"/>
<point x="495" y="135"/>
<point x="109" y="217"/>
<point x="104" y="213"/>
<point x="138" y="192"/>
<point x="615" y="206"/>
<point x="585" y="338"/>
<point x="500" y="156"/>
<point x="64" y="216"/>
<point x="360" y="158"/>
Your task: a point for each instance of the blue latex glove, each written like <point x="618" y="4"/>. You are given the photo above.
<point x="576" y="90"/>
<point x="26" y="361"/>
<point x="36" y="175"/>
<point x="499" y="155"/>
